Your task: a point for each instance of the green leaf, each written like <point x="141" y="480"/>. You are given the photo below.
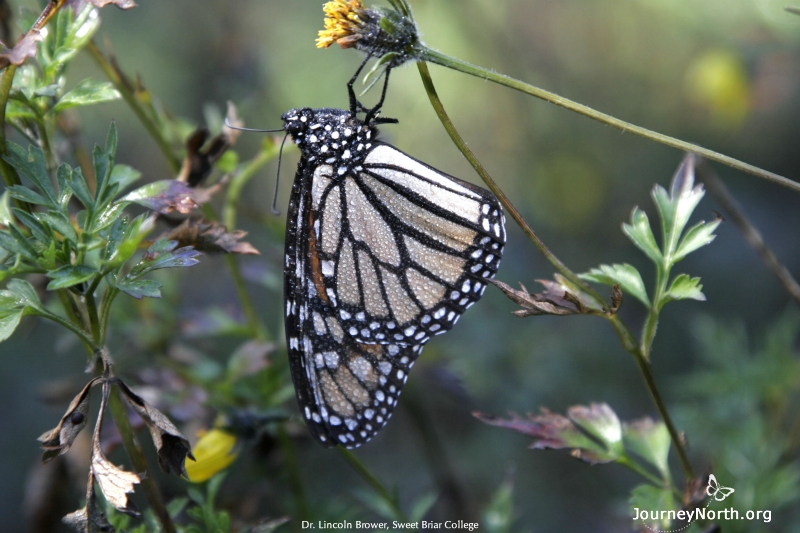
<point x="499" y="514"/>
<point x="651" y="441"/>
<point x="16" y="243"/>
<point x="60" y="223"/>
<point x="422" y="506"/>
<point x="20" y="192"/>
<point x="107" y="216"/>
<point x="641" y="234"/>
<point x="32" y="223"/>
<point x="140" y="288"/>
<point x="647" y="498"/>
<point x="698" y="236"/>
<point x="685" y="288"/>
<point x="123" y="175"/>
<point x="601" y="422"/>
<point x="625" y="275"/>
<point x="5" y="209"/>
<point x="162" y="254"/>
<point x="228" y="162"/>
<point x="8" y="324"/>
<point x="20" y="294"/>
<point x="68" y="276"/>
<point x="677" y="206"/>
<point x="77" y="183"/>
<point x="64" y="176"/>
<point x="133" y="234"/>
<point x="88" y="92"/>
<point x="31" y="164"/>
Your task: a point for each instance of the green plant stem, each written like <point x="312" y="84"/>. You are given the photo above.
<point x="136" y="106"/>
<point x="138" y="461"/>
<point x="295" y="479"/>
<point x="240" y="179"/>
<point x="623" y="332"/>
<point x="253" y="321"/>
<point x="433" y="56"/>
<point x="10" y="176"/>
<point x="372" y="481"/>
<point x="632" y="465"/>
<point x="94" y="318"/>
<point x="76" y="324"/>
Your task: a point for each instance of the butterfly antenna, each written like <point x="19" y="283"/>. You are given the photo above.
<point x="231" y="126"/>
<point x="275" y="210"/>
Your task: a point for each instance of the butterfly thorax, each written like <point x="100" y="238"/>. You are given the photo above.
<point x="330" y="136"/>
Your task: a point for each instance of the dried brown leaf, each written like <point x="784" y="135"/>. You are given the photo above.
<point x="199" y="161"/>
<point x="115" y="483"/>
<point x="210" y="237"/>
<point x="58" y="440"/>
<point x="26" y="47"/>
<point x="172" y="447"/>
<point x="546" y="303"/>
<point x="616" y="300"/>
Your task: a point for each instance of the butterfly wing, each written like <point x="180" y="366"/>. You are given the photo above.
<point x="404" y="248"/>
<point x="346" y="389"/>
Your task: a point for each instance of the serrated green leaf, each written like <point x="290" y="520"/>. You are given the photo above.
<point x="685" y="288"/>
<point x="77" y="183"/>
<point x="60" y="223"/>
<point x="628" y="278"/>
<point x="162" y="254"/>
<point x="88" y="92"/>
<point x="47" y="259"/>
<point x="68" y="276"/>
<point x="114" y="236"/>
<point x="698" y="236"/>
<point x="648" y="498"/>
<point x="651" y="441"/>
<point x="641" y="234"/>
<point x="25" y="194"/>
<point x="32" y="223"/>
<point x="16" y="110"/>
<point x="8" y="324"/>
<point x="133" y="234"/>
<point x="123" y="175"/>
<point x="31" y="164"/>
<point x="677" y="206"/>
<point x="140" y="288"/>
<point x="111" y="142"/>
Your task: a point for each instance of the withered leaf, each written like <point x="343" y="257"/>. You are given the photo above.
<point x="115" y="483"/>
<point x="232" y="119"/>
<point x="546" y="303"/>
<point x="616" y="299"/>
<point x="26" y="47"/>
<point x="199" y="161"/>
<point x="89" y="519"/>
<point x="210" y="237"/>
<point x="59" y="439"/>
<point x="172" y="447"/>
<point x="164" y="196"/>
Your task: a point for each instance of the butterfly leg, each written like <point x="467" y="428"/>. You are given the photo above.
<point x="355" y="105"/>
<point x="372" y="113"/>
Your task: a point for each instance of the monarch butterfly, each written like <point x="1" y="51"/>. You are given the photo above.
<point x="382" y="252"/>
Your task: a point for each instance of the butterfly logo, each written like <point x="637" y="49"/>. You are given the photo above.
<point x="717" y="491"/>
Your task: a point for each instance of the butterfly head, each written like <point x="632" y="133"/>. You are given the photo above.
<point x="333" y="136"/>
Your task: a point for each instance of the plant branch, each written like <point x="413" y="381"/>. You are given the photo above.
<point x="123" y="86"/>
<point x="750" y="233"/>
<point x="624" y="333"/>
<point x="138" y="461"/>
<point x="480" y="72"/>
<point x="372" y="481"/>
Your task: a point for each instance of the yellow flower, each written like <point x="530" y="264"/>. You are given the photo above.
<point x="344" y="21"/>
<point x="213" y="453"/>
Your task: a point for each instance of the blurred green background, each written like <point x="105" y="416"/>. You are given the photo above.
<point x="722" y="73"/>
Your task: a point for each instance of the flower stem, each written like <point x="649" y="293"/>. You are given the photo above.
<point x="624" y="333"/>
<point x="372" y="481"/>
<point x="480" y="72"/>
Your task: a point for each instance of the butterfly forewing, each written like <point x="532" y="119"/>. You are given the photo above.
<point x="382" y="252"/>
<point x="347" y="390"/>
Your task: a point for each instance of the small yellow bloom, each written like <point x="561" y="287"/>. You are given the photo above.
<point x="344" y="20"/>
<point x="214" y="452"/>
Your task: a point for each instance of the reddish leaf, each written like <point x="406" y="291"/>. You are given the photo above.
<point x="26" y="47"/>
